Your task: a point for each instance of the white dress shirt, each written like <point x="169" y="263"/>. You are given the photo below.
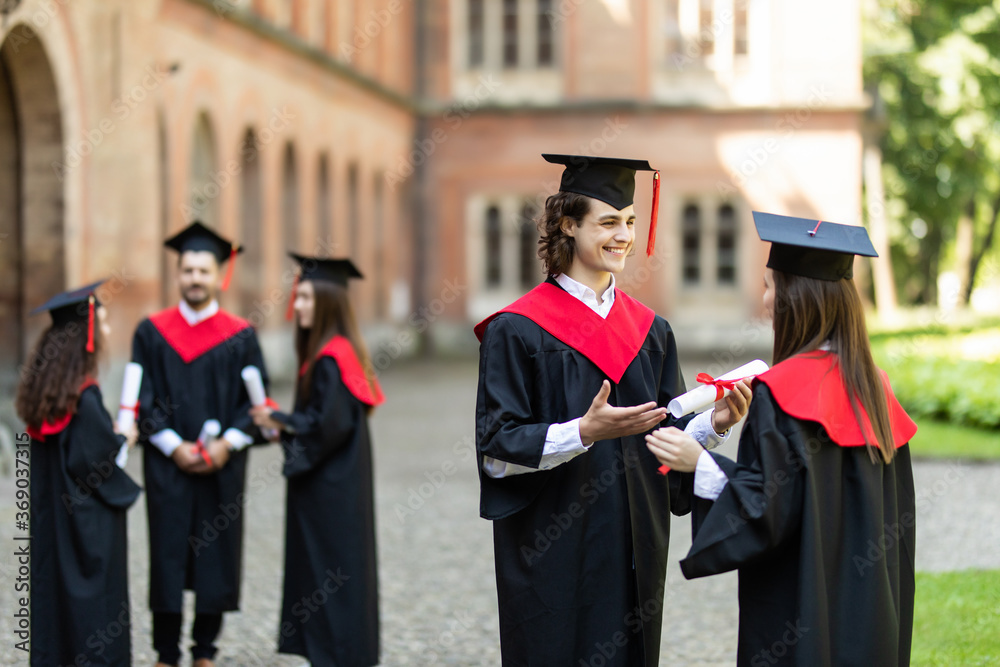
<point x="562" y="441"/>
<point x="168" y="439"/>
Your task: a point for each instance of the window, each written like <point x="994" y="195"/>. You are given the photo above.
<point x="324" y="200"/>
<point x="250" y="280"/>
<point x="672" y="28"/>
<point x="528" y="248"/>
<point x="290" y="200"/>
<point x="476" y="46"/>
<point x="353" y="212"/>
<point x="493" y="247"/>
<point x="726" y="246"/>
<point x="204" y="190"/>
<point x="379" y="264"/>
<point x="706" y="36"/>
<point x="510" y="41"/>
<point x="740" y="36"/>
<point x="545" y="47"/>
<point x="691" y="244"/>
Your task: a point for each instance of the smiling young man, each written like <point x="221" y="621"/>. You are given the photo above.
<point x="191" y="356"/>
<point x="571" y="378"/>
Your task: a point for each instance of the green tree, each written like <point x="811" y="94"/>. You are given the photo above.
<point x="935" y="66"/>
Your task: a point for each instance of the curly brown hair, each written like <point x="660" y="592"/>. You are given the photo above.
<point x="556" y="248"/>
<point x="52" y="374"/>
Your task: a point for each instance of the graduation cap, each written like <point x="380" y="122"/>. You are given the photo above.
<point x="197" y="237"/>
<point x="69" y="307"/>
<point x="812" y="248"/>
<point x="332" y="270"/>
<point x="610" y="179"/>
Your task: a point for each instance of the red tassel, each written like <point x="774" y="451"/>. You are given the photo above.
<point x="654" y="215"/>
<point x="291" y="299"/>
<point x="90" y="325"/>
<point x="229" y="269"/>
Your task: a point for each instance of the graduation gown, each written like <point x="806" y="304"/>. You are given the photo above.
<point x="192" y="374"/>
<point x="329" y="610"/>
<point x="822" y="537"/>
<point x="580" y="549"/>
<point x="79" y="563"/>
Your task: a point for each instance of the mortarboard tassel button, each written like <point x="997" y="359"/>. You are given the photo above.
<point x="90" y="324"/>
<point x="654" y="215"/>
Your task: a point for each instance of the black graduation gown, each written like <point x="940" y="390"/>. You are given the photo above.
<point x="195" y="521"/>
<point x="79" y="562"/>
<point x="329" y="611"/>
<point x="580" y="549"/>
<point x="823" y="540"/>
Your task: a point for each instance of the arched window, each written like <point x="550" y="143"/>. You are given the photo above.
<point x="493" y="247"/>
<point x="252" y="233"/>
<point x="528" y="247"/>
<point x="290" y="200"/>
<point x="353" y="211"/>
<point x="204" y="192"/>
<point x="691" y="244"/>
<point x="726" y="244"/>
<point x="545" y="45"/>
<point x="510" y="36"/>
<point x="476" y="33"/>
<point x="379" y="265"/>
<point x="324" y="198"/>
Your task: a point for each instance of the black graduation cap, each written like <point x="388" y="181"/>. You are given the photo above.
<point x="610" y="179"/>
<point x="76" y="305"/>
<point x="321" y="268"/>
<point x="812" y="248"/>
<point x="196" y="237"/>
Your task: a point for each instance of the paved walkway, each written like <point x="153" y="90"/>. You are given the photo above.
<point x="437" y="589"/>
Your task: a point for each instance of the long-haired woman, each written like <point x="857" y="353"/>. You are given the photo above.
<point x="330" y="608"/>
<point x="817" y="512"/>
<point x="78" y="495"/>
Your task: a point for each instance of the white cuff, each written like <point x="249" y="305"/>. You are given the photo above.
<point x="237" y="439"/>
<point x="562" y="443"/>
<point x="709" y="480"/>
<point x="700" y="428"/>
<point x="166" y="441"/>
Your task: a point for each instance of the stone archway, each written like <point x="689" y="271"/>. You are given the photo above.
<point x="32" y="196"/>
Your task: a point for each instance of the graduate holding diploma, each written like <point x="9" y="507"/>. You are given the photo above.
<point x="192" y="355"/>
<point x="571" y="376"/>
<point x="822" y="478"/>
<point x="330" y="521"/>
<point x="79" y="496"/>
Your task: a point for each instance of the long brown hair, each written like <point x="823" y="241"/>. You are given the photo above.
<point x="556" y="248"/>
<point x="332" y="316"/>
<point x="809" y="312"/>
<point x="51" y="376"/>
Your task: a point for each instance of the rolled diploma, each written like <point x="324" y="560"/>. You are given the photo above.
<point x="702" y="396"/>
<point x="126" y="407"/>
<point x="210" y="429"/>
<point x="255" y="390"/>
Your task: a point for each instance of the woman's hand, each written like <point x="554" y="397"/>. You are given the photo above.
<point x="731" y="408"/>
<point x="262" y="417"/>
<point x="674" y="448"/>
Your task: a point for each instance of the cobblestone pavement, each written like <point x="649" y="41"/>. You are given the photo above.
<point x="438" y="596"/>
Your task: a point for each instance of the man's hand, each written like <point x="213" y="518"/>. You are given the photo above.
<point x="262" y="417"/>
<point x="732" y="407"/>
<point x="604" y="421"/>
<point x="219" y="451"/>
<point x="130" y="436"/>
<point x="189" y="459"/>
<point x="674" y="448"/>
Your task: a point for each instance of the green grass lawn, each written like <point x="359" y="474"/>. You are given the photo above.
<point x="936" y="439"/>
<point x="957" y="619"/>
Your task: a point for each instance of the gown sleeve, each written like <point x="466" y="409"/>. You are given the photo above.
<point x="141" y="355"/>
<point x="326" y="424"/>
<point x="671" y="385"/>
<point x="91" y="455"/>
<point x="761" y="506"/>
<point x="505" y="424"/>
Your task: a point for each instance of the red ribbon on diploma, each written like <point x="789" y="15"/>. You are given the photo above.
<point x="204" y="453"/>
<point x="720" y="385"/>
<point x="134" y="409"/>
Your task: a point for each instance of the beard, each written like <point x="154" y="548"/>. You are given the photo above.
<point x="194" y="299"/>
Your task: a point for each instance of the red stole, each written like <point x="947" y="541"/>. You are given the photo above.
<point x="809" y="386"/>
<point x="352" y="373"/>
<point x="190" y="342"/>
<point x="53" y="427"/>
<point x="611" y="344"/>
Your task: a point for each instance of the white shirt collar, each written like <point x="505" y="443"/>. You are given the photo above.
<point x="193" y="316"/>
<point x="588" y="296"/>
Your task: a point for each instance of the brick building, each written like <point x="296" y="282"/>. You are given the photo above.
<point x="407" y="133"/>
